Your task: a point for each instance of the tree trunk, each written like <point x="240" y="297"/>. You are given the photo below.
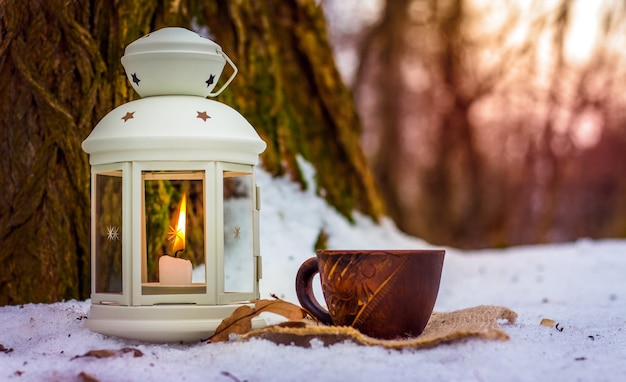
<point x="381" y="57"/>
<point x="60" y="73"/>
<point x="425" y="157"/>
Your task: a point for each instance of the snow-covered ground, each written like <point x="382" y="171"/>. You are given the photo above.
<point x="581" y="286"/>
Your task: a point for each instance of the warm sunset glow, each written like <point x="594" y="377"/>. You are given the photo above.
<point x="179" y="233"/>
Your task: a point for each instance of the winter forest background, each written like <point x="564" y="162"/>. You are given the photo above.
<point x="491" y="123"/>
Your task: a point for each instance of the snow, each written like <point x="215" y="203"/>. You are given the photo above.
<point x="579" y="285"/>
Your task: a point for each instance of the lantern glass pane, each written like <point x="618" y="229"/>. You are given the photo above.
<point x="238" y="232"/>
<point x="174" y="244"/>
<point x="108" y="235"/>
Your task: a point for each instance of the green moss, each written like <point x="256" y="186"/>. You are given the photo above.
<point x="322" y="240"/>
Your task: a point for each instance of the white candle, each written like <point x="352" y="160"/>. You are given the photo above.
<point x="174" y="271"/>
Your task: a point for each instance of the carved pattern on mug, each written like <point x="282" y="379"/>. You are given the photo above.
<point x="384" y="288"/>
<point x="370" y="274"/>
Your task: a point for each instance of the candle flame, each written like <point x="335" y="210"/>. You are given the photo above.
<point x="179" y="233"/>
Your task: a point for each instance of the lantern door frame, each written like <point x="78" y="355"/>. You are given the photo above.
<point x="124" y="297"/>
<point x="224" y="296"/>
<point x="139" y="239"/>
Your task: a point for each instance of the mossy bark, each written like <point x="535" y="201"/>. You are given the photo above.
<point x="60" y="73"/>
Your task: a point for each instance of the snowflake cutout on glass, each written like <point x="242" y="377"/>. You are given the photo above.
<point x="113" y="233"/>
<point x="175" y="233"/>
<point x="237" y="233"/>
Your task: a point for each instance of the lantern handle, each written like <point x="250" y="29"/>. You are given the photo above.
<point x="230" y="79"/>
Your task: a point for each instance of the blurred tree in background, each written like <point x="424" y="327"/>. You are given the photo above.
<point x="491" y="123"/>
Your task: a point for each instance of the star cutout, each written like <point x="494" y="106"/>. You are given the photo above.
<point x="135" y="79"/>
<point x="129" y="115"/>
<point x="209" y="82"/>
<point x="203" y="115"/>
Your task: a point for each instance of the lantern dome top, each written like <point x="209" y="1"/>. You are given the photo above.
<point x="173" y="39"/>
<point x="175" y="61"/>
<point x="173" y="128"/>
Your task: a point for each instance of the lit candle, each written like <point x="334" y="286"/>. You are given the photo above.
<point x="172" y="270"/>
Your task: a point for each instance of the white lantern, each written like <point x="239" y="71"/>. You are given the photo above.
<point x="175" y="206"/>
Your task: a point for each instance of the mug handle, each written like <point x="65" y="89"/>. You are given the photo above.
<point x="304" y="291"/>
<point x="230" y="79"/>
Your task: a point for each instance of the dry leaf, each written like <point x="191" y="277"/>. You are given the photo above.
<point x="240" y="322"/>
<point x="101" y="353"/>
<point x="84" y="377"/>
<point x="107" y="353"/>
<point x="136" y="352"/>
<point x="286" y="309"/>
<point x="5" y="350"/>
<point x="547" y="322"/>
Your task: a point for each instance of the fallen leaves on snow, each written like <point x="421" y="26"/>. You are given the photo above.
<point x="240" y="321"/>
<point x="5" y="350"/>
<point x="108" y="353"/>
<point x="84" y="377"/>
<point x="551" y="324"/>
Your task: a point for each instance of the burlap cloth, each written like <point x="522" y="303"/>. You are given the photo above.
<point x="443" y="327"/>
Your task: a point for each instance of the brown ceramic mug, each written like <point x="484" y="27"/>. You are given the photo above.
<point x="384" y="294"/>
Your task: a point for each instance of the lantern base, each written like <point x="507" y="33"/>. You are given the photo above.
<point x="162" y="323"/>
